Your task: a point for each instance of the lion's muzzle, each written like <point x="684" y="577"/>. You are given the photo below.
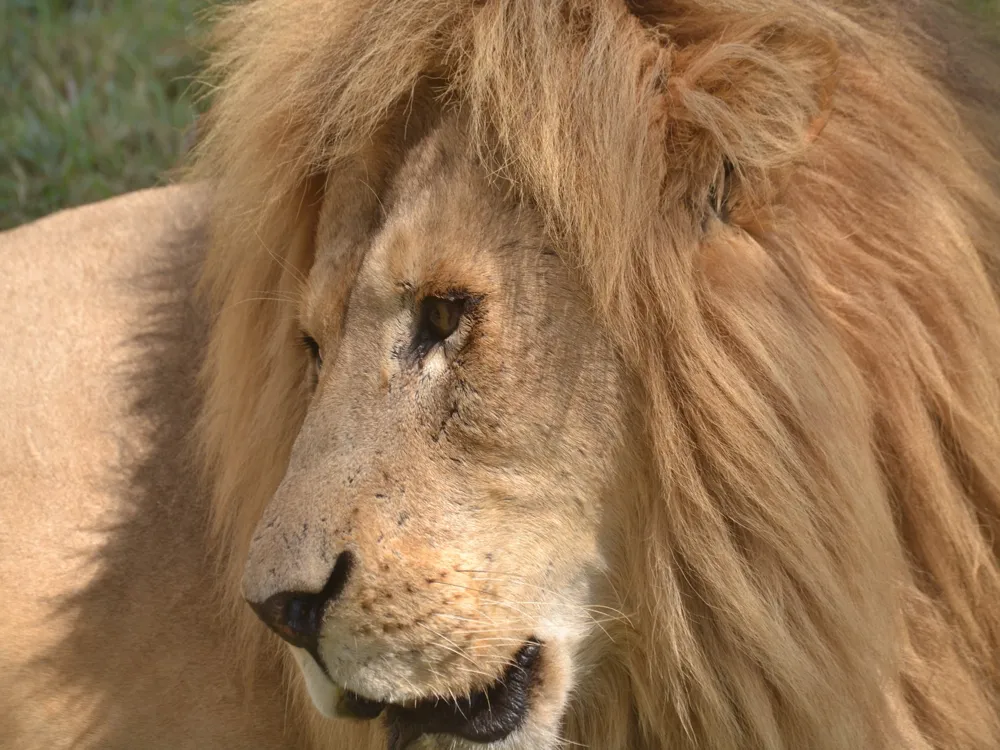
<point x="487" y="715"/>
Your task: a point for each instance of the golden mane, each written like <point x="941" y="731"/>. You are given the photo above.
<point x="814" y="561"/>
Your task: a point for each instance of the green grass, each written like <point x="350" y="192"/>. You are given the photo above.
<point x="95" y="98"/>
<point x="988" y="10"/>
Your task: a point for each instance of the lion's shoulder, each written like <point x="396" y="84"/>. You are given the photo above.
<point x="100" y="524"/>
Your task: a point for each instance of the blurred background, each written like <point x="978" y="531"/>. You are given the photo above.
<point x="97" y="97"/>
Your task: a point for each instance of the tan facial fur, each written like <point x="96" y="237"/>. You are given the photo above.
<point x="466" y="479"/>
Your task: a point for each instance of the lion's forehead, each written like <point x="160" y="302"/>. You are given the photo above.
<point x="446" y="228"/>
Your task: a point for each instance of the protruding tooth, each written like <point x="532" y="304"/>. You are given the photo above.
<point x="324" y="693"/>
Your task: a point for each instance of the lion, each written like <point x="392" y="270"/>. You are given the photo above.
<point x="522" y="374"/>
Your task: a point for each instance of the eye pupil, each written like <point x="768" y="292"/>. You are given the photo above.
<point x="442" y="316"/>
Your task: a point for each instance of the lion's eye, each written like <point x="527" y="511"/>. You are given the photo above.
<point x="312" y="346"/>
<point x="440" y="316"/>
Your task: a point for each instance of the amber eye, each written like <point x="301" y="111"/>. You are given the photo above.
<point x="440" y="316"/>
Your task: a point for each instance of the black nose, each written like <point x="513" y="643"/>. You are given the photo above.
<point x="298" y="616"/>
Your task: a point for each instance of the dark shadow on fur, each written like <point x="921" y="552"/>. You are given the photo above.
<point x="150" y="612"/>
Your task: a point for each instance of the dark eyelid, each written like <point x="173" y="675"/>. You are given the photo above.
<point x="468" y="300"/>
<point x="310" y="344"/>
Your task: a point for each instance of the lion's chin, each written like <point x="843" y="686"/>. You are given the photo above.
<point x="488" y="715"/>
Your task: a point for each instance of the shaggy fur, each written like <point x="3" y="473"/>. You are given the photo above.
<point x="778" y="215"/>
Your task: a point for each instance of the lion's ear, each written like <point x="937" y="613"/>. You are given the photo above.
<point x="751" y="93"/>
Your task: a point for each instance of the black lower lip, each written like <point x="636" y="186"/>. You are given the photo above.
<point x="354" y="706"/>
<point x="487" y="716"/>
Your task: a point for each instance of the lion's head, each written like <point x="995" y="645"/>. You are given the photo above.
<point x="466" y="415"/>
<point x="598" y="372"/>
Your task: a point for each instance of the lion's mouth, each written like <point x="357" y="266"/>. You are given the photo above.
<point x="489" y="715"/>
